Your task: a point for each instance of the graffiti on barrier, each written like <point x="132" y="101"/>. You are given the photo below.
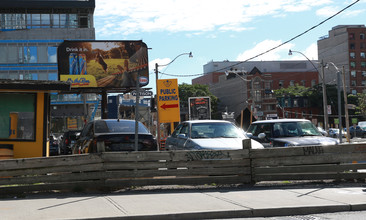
<point x="313" y="150"/>
<point x="207" y="155"/>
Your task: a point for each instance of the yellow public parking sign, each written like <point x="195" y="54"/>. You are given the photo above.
<point x="168" y="100"/>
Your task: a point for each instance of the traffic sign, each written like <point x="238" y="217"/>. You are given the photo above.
<point x="168" y="100"/>
<point x="142" y="93"/>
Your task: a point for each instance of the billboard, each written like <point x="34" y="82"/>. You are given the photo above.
<point x="199" y="108"/>
<point x="103" y="64"/>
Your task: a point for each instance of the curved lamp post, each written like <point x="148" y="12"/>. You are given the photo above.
<point x="339" y="72"/>
<point x="326" y="127"/>
<point x="157" y="91"/>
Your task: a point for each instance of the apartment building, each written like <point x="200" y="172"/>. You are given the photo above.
<point x="345" y="46"/>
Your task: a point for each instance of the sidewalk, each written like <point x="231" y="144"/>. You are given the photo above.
<point x="209" y="203"/>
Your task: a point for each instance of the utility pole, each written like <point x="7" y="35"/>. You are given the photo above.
<point x="346" y="104"/>
<point x="157" y="107"/>
<point x="325" y="107"/>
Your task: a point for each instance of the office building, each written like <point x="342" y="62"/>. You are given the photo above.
<point x="30" y="32"/>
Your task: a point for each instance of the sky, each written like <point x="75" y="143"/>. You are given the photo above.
<point x="234" y="30"/>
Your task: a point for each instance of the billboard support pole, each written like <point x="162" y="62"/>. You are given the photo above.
<point x="137" y="111"/>
<point x="104" y="105"/>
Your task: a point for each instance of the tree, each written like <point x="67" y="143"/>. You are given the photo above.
<point x="197" y="90"/>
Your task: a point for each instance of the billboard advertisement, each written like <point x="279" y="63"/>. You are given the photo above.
<point x="199" y="108"/>
<point x="103" y="64"/>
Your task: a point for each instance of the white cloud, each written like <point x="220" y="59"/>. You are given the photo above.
<point x="263" y="47"/>
<point x="159" y="61"/>
<point x="127" y="17"/>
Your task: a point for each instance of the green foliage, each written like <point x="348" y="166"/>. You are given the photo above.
<point x="293" y="91"/>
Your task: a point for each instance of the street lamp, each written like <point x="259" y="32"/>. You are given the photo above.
<point x="325" y="109"/>
<point x="339" y="102"/>
<point x="157" y="90"/>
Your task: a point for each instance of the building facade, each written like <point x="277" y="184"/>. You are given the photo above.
<point x="249" y="85"/>
<point x="345" y="46"/>
<point x="30" y="32"/>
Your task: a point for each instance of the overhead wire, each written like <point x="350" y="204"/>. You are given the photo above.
<point x="273" y="48"/>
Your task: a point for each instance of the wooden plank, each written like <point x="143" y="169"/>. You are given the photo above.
<point x="308" y="168"/>
<point x="175" y="164"/>
<point x="46" y="170"/>
<point x="314" y="176"/>
<point x="178" y="172"/>
<point x="176" y="155"/>
<point x="120" y="183"/>
<point x="53" y="178"/>
<point x="315" y="159"/>
<point x="73" y="186"/>
<point x="307" y="151"/>
<point x="40" y="162"/>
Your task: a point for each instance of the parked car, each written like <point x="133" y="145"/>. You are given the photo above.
<point x="113" y="135"/>
<point x="357" y="131"/>
<point x="68" y="139"/>
<point x="288" y="132"/>
<point x="54" y="146"/>
<point x="334" y="133"/>
<point x="207" y="134"/>
<point x="324" y="132"/>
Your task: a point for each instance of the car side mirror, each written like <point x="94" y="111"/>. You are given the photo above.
<point x="182" y="136"/>
<point x="261" y="135"/>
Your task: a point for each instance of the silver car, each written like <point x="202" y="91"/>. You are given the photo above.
<point x="288" y="133"/>
<point x="208" y="134"/>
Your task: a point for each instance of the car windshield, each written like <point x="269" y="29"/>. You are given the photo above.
<point x="285" y="129"/>
<point x="215" y="130"/>
<point x="118" y="126"/>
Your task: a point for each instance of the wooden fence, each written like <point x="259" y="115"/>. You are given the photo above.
<point x="116" y="170"/>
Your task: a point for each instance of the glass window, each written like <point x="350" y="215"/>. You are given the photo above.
<point x="352" y="46"/>
<point x="53" y="76"/>
<point x="30" y="54"/>
<point x="363" y="82"/>
<point x="363" y="73"/>
<point x="351" y="36"/>
<point x="363" y="64"/>
<point x="280" y="84"/>
<point x="17" y="116"/>
<point x="353" y="64"/>
<point x="303" y="82"/>
<point x="353" y="73"/>
<point x="352" y="55"/>
<point x="73" y="21"/>
<point x="354" y="92"/>
<point x="353" y="83"/>
<point x="362" y="36"/>
<point x="313" y="82"/>
<point x="362" y="45"/>
<point x="362" y="55"/>
<point x="52" y="54"/>
<point x="292" y="83"/>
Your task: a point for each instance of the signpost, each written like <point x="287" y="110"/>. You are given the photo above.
<point x="168" y="100"/>
<point x="199" y="108"/>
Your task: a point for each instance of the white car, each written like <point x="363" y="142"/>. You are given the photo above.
<point x="208" y="134"/>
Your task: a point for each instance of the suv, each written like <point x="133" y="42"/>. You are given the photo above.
<point x="68" y="140"/>
<point x="357" y="132"/>
<point x="288" y="133"/>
